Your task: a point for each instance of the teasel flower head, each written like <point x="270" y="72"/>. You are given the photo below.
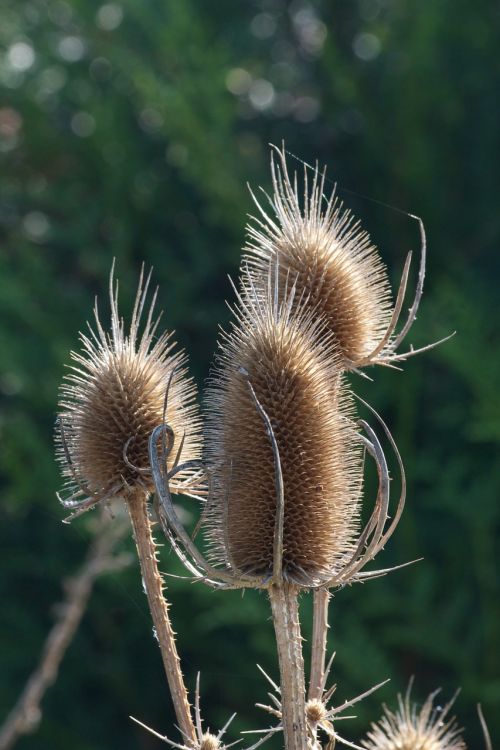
<point x="408" y="728"/>
<point x="113" y="398"/>
<point x="322" y="249"/>
<point x="279" y="420"/>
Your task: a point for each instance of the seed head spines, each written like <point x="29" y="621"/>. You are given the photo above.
<point x="277" y="349"/>
<point x="321" y="248"/>
<point x="113" y="398"/>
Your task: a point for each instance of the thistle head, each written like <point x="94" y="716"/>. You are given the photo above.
<point x="320" y="247"/>
<point x="113" y="398"/>
<point x="316" y="712"/>
<point x="410" y="729"/>
<point x="276" y="363"/>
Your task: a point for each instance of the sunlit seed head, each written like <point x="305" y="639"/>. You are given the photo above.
<point x="316" y="712"/>
<point x="321" y="248"/>
<point x="209" y="742"/>
<point x="410" y="729"/>
<point x="113" y="398"/>
<point x="279" y="351"/>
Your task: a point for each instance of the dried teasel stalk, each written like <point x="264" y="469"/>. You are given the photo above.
<point x="408" y="728"/>
<point x="112" y="399"/>
<point x="321" y="248"/>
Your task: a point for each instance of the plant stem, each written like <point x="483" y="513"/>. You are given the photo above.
<point x="101" y="558"/>
<point x="285" y="609"/>
<point x="158" y="605"/>
<point x="318" y="646"/>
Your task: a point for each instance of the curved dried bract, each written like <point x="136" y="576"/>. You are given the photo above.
<point x="407" y="728"/>
<point x="111" y="401"/>
<point x="276" y="391"/>
<point x="319" y="246"/>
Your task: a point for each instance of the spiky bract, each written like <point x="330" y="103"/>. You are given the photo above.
<point x="410" y="729"/>
<point x="320" y="247"/>
<point x="112" y="400"/>
<point x="278" y="350"/>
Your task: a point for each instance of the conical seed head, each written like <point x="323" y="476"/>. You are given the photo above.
<point x="297" y="382"/>
<point x="113" y="398"/>
<point x="318" y="246"/>
<point x="411" y="729"/>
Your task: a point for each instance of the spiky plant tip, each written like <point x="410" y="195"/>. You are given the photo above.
<point x="408" y="728"/>
<point x="275" y="362"/>
<point x="113" y="398"/>
<point x="321" y="247"/>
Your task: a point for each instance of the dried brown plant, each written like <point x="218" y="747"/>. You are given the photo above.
<point x="284" y="450"/>
<point x="285" y="462"/>
<point x="408" y="728"/>
<point x="113" y="398"/>
<point x="275" y="356"/>
<point x="319" y="246"/>
<point x="110" y="402"/>
<point x="287" y="473"/>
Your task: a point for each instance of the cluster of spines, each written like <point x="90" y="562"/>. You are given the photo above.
<point x="408" y="728"/>
<point x="314" y="301"/>
<point x="332" y="261"/>
<point x="114" y="397"/>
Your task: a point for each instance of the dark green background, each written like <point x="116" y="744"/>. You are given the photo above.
<point x="128" y="142"/>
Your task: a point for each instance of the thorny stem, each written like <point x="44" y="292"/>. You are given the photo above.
<point x="153" y="583"/>
<point x="285" y="609"/>
<point x="318" y="644"/>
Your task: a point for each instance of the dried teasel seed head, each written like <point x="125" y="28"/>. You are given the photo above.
<point x="410" y="729"/>
<point x="278" y="350"/>
<point x="320" y="247"/>
<point x="316" y="712"/>
<point x="209" y="742"/>
<point x="114" y="397"/>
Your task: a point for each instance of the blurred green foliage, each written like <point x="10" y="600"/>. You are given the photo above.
<point x="129" y="130"/>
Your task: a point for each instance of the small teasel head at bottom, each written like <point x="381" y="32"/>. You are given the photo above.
<point x="409" y="727"/>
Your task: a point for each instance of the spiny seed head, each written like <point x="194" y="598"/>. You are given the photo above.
<point x="316" y="711"/>
<point x="113" y="398"/>
<point x="320" y="247"/>
<point x="279" y="351"/>
<point x="410" y="729"/>
<point x="209" y="742"/>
